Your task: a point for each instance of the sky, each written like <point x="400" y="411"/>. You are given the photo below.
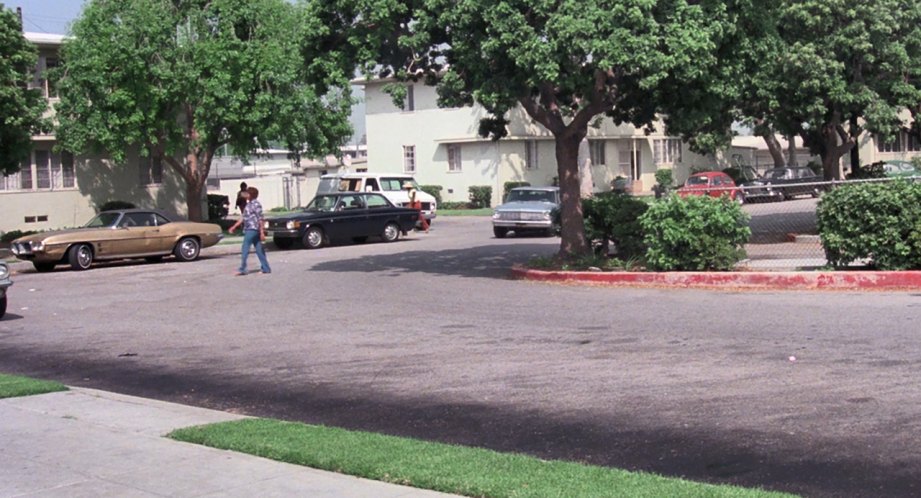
<point x="55" y="16"/>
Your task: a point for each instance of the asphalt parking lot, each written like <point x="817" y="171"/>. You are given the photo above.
<point x="814" y="393"/>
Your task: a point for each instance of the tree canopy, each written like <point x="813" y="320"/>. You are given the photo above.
<point x="21" y="107"/>
<point x="564" y="63"/>
<point x="178" y="79"/>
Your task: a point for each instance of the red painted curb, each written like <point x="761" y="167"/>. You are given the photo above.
<point x="838" y="280"/>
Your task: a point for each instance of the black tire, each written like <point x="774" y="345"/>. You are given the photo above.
<point x="815" y="193"/>
<point x="187" y="249"/>
<point x="80" y="257"/>
<point x="313" y="238"/>
<point x="153" y="259"/>
<point x="43" y="267"/>
<point x="283" y="243"/>
<point x="2" y="306"/>
<point x="391" y="232"/>
<point x="500" y="232"/>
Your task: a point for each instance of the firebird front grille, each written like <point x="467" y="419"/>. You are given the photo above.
<point x="22" y="248"/>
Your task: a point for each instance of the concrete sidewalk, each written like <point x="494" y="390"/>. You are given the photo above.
<point x="93" y="443"/>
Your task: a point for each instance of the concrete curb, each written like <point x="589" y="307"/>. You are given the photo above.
<point x="825" y="280"/>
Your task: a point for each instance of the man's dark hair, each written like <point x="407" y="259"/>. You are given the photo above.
<point x="243" y="186"/>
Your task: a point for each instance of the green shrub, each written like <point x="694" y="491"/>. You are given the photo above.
<point x="508" y="186"/>
<point x="434" y="191"/>
<point x="697" y="233"/>
<point x="665" y="177"/>
<point x="113" y="205"/>
<point x="15" y="234"/>
<point x="869" y="172"/>
<point x="615" y="217"/>
<point x="880" y="222"/>
<point x="454" y="205"/>
<point x="480" y="196"/>
<point x="218" y="206"/>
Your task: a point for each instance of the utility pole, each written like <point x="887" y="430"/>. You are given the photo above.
<point x="19" y="14"/>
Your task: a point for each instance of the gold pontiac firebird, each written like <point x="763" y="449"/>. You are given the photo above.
<point x="121" y="234"/>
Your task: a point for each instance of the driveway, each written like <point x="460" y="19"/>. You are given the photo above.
<point x="427" y="338"/>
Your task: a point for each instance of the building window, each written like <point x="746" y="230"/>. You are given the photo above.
<point x="409" y="158"/>
<point x="531" y="160"/>
<point x="596" y="152"/>
<point x="667" y="151"/>
<point x="48" y="86"/>
<point x="151" y="170"/>
<point x="454" y="158"/>
<point x="68" y="171"/>
<point x="903" y="141"/>
<point x="44" y="170"/>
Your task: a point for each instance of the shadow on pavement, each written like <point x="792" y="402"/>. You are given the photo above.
<point x="489" y="261"/>
<point x="799" y="464"/>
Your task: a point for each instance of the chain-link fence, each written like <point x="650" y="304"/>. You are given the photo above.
<point x="783" y="222"/>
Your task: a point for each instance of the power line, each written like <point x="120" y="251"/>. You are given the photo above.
<point x="43" y="30"/>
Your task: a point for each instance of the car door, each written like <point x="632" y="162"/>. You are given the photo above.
<point x="133" y="235"/>
<point x="380" y="211"/>
<point x="162" y="234"/>
<point x="350" y="218"/>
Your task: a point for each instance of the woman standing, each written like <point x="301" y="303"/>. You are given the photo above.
<point x="253" y="231"/>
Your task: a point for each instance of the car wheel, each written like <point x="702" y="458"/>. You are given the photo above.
<point x="283" y="243"/>
<point x="313" y="238"/>
<point x="80" y="257"/>
<point x="43" y="267"/>
<point x="2" y="306"/>
<point x="391" y="232"/>
<point x="499" y="232"/>
<point x="153" y="259"/>
<point x="816" y="193"/>
<point x="187" y="249"/>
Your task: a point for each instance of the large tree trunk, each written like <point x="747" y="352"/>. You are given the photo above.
<point x="774" y="147"/>
<point x="573" y="241"/>
<point x="791" y="151"/>
<point x="837" y="143"/>
<point x="855" y="151"/>
<point x="193" y="192"/>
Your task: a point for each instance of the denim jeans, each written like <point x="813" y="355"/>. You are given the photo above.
<point x="251" y="237"/>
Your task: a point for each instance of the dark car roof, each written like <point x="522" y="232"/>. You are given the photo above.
<point x="164" y="214"/>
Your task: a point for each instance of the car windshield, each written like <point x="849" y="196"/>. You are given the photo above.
<point x="776" y="174"/>
<point x="103" y="220"/>
<point x="698" y="180"/>
<point x="530" y="196"/>
<point x="322" y="203"/>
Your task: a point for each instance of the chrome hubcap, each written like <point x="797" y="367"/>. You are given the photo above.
<point x="188" y="248"/>
<point x="390" y="232"/>
<point x="314" y="238"/>
<point x="84" y="256"/>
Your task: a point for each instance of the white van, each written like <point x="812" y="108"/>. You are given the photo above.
<point x="388" y="184"/>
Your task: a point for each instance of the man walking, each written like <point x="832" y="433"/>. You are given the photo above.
<point x="253" y="231"/>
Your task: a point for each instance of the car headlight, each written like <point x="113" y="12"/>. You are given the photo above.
<point x="38" y="246"/>
<point x="265" y="224"/>
<point x="547" y="216"/>
<point x="495" y="215"/>
<point x="292" y="225"/>
<point x="4" y="272"/>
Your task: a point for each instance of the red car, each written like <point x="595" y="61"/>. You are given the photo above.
<point x="712" y="183"/>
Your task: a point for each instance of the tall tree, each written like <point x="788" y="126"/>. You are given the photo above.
<point x="837" y="77"/>
<point x="21" y="107"/>
<point x="179" y="79"/>
<point x="566" y="64"/>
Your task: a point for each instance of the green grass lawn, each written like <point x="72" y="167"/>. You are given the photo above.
<point x="465" y="212"/>
<point x="441" y="467"/>
<point x="12" y="386"/>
